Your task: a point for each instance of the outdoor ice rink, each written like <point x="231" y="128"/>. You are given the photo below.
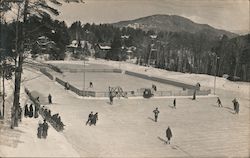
<point x="102" y="80"/>
<point x="127" y="129"/>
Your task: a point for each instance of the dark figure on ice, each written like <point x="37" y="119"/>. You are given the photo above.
<point x="174" y="103"/>
<point x="237" y="107"/>
<point x="156" y="112"/>
<point x="50" y="99"/>
<point x="31" y="112"/>
<point x="168" y="135"/>
<point x="45" y="129"/>
<point x="90" y="84"/>
<point x="219" y="102"/>
<point x="39" y="129"/>
<point x="36" y="111"/>
<point x="235" y="104"/>
<point x="94" y="119"/>
<point x="154" y="87"/>
<point x="111" y="98"/>
<point x="90" y="118"/>
<point x="194" y="95"/>
<point x="26" y="110"/>
<point x="37" y="99"/>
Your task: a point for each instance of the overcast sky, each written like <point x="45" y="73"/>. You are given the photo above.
<point x="231" y="15"/>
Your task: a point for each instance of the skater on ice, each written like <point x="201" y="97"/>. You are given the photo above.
<point x="168" y="135"/>
<point x="90" y="84"/>
<point x="94" y="119"/>
<point x="111" y="98"/>
<point x="237" y="107"/>
<point x="50" y="99"/>
<point x="156" y="112"/>
<point x="219" y="102"/>
<point x="235" y="104"/>
<point x="174" y="103"/>
<point x="90" y="118"/>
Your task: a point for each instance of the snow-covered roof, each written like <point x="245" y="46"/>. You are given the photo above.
<point x="153" y="36"/>
<point x="104" y="47"/>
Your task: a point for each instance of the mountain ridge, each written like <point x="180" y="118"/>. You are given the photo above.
<point x="172" y="23"/>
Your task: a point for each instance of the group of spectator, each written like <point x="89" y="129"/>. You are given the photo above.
<point x="55" y="119"/>
<point x="31" y="111"/>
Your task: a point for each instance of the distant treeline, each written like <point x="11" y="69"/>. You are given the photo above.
<point x="175" y="51"/>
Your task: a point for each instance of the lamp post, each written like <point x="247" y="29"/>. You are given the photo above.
<point x="83" y="68"/>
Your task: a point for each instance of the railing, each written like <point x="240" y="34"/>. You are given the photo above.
<point x="76" y="90"/>
<point x="165" y="81"/>
<point x="44" y="71"/>
<point x="93" y="70"/>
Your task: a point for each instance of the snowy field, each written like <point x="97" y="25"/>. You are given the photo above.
<point x="126" y="129"/>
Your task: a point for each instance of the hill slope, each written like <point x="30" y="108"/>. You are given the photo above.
<point x="172" y="23"/>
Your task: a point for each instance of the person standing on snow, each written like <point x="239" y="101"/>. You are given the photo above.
<point x="90" y="118"/>
<point x="40" y="129"/>
<point x="219" y="102"/>
<point x="237" y="107"/>
<point x="45" y="129"/>
<point x="50" y="99"/>
<point x="26" y="110"/>
<point x="168" y="135"/>
<point x="156" y="112"/>
<point x="174" y="103"/>
<point x="31" y="112"/>
<point x="94" y="119"/>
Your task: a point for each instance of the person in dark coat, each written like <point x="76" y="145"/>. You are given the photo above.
<point x="45" y="129"/>
<point x="237" y="108"/>
<point x="26" y="110"/>
<point x="90" y="84"/>
<point x="40" y="130"/>
<point x="168" y="135"/>
<point x="156" y="112"/>
<point x="90" y="118"/>
<point x="94" y="119"/>
<point x="194" y="95"/>
<point x="36" y="111"/>
<point x="234" y="102"/>
<point x="31" y="112"/>
<point x="50" y="99"/>
<point x="111" y="98"/>
<point x="174" y="103"/>
<point x="219" y="102"/>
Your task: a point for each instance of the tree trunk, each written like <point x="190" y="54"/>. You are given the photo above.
<point x="3" y="94"/>
<point x="18" y="71"/>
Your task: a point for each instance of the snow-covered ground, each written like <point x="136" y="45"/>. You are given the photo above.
<point x="127" y="129"/>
